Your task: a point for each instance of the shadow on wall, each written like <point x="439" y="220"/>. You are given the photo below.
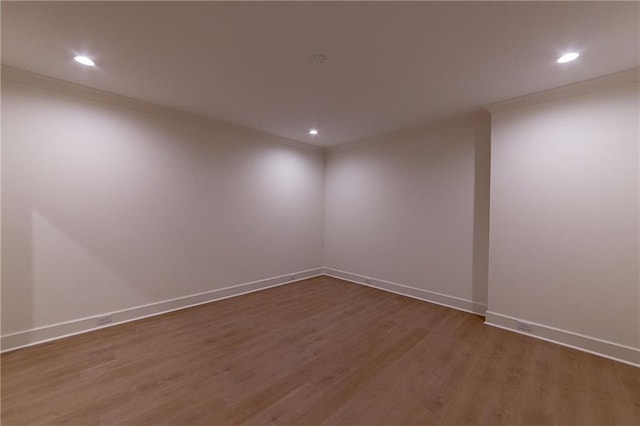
<point x="481" y="203"/>
<point x="17" y="259"/>
<point x="110" y="208"/>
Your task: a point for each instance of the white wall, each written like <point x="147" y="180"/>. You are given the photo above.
<point x="110" y="204"/>
<point x="404" y="211"/>
<point x="564" y="246"/>
<point x="107" y="207"/>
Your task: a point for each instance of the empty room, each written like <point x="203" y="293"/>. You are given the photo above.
<point x="305" y="213"/>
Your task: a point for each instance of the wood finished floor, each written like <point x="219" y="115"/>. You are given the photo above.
<point x="321" y="351"/>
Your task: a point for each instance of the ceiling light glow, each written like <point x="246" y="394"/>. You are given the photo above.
<point x="84" y="61"/>
<point x="568" y="57"/>
<point x="313" y="132"/>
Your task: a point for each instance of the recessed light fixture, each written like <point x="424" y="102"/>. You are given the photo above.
<point x="84" y="61"/>
<point x="568" y="57"/>
<point x="313" y="132"/>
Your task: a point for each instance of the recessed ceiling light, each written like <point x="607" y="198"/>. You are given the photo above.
<point x="84" y="61"/>
<point x="568" y="57"/>
<point x="313" y="132"/>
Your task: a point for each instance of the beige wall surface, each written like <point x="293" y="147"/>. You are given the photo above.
<point x="106" y="207"/>
<point x="564" y="246"/>
<point x="412" y="208"/>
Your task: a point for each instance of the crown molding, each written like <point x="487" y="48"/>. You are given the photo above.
<point x="601" y="83"/>
<point x="49" y="83"/>
<point x="475" y="115"/>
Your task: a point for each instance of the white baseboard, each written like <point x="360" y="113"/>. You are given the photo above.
<point x="47" y="333"/>
<point x="404" y="290"/>
<point x="606" y="349"/>
<point x="603" y="348"/>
